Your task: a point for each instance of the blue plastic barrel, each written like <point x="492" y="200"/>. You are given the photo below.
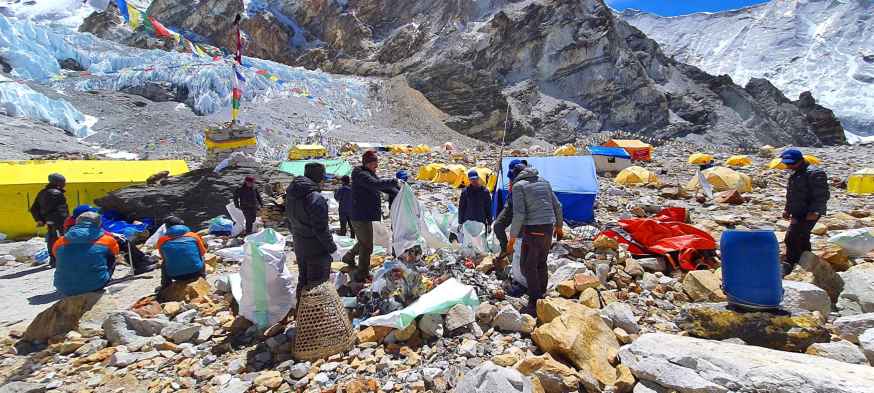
<point x="751" y="272"/>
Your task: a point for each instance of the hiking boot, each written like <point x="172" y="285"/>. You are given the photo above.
<point x="143" y="270"/>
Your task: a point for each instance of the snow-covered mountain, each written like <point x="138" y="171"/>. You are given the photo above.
<point x="822" y="46"/>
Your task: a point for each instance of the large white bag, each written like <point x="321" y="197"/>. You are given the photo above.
<point x="406" y="219"/>
<point x="516" y="267"/>
<point x="268" y="287"/>
<point x="238" y="217"/>
<point x="855" y="242"/>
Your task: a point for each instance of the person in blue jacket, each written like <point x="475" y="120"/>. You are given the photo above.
<point x="85" y="257"/>
<point x="182" y="252"/>
<point x="343" y="196"/>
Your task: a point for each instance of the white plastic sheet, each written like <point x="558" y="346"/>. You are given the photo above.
<point x="474" y="239"/>
<point x="234" y="254"/>
<point x="855" y="242"/>
<point x="516" y="267"/>
<point x="238" y="217"/>
<point x="268" y="287"/>
<point x="565" y="272"/>
<point x="381" y="236"/>
<point x="153" y="240"/>
<point x="438" y="301"/>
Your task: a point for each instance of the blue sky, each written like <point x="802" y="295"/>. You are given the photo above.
<point x="681" y="7"/>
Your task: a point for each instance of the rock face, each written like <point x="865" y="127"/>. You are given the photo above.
<point x="689" y="365"/>
<point x="858" y="294"/>
<point x="490" y="378"/>
<point x="842" y="351"/>
<point x="783" y="331"/>
<point x="563" y="68"/>
<point x="819" y="45"/>
<point x="804" y="296"/>
<point x="851" y="327"/>
<point x="580" y="335"/>
<point x="195" y="197"/>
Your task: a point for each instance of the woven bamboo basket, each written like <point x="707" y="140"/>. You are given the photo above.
<point x="323" y="327"/>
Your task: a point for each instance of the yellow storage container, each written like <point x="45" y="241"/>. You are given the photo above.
<point x="306" y="152"/>
<point x="861" y="182"/>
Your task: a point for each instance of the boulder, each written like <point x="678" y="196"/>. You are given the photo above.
<point x="866" y="341"/>
<point x="406" y="333"/>
<point x="64" y="316"/>
<point x="182" y="291"/>
<point x="857" y="296"/>
<point x="566" y="289"/>
<point x="842" y="351"/>
<point x="622" y="316"/>
<point x="551" y="308"/>
<point x="804" y="296"/>
<point x="23" y="387"/>
<point x="703" y="285"/>
<point x="783" y="330"/>
<point x="486" y="313"/>
<point x="691" y="365"/>
<point x="836" y="257"/>
<point x="580" y="335"/>
<point x="624" y="379"/>
<point x="552" y="375"/>
<point x="850" y="327"/>
<point x="491" y="378"/>
<point x="583" y="281"/>
<point x="653" y="264"/>
<point x="460" y="315"/>
<point x="431" y="325"/>
<point x="373" y="334"/>
<point x="589" y="298"/>
<point x="824" y="275"/>
<point x="508" y="319"/>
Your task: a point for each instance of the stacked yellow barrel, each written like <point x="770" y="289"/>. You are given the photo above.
<point x="222" y="141"/>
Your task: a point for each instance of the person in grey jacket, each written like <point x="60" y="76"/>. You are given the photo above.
<point x="537" y="216"/>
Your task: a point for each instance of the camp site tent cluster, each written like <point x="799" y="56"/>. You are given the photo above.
<point x="87" y="180"/>
<point x="572" y="178"/>
<point x="455" y="175"/>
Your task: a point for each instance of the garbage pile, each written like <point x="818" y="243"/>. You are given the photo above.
<point x="444" y="315"/>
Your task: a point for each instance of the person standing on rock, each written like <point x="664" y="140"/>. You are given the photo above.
<point x="505" y="217"/>
<point x="807" y="195"/>
<point x="343" y="196"/>
<point x="307" y="212"/>
<point x="366" y="209"/>
<point x="248" y="199"/>
<point x="475" y="203"/>
<point x="86" y="257"/>
<point x="50" y="209"/>
<point x="182" y="252"/>
<point x="537" y="216"/>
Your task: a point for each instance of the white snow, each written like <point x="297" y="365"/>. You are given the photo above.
<point x="68" y="13"/>
<point x="854" y="139"/>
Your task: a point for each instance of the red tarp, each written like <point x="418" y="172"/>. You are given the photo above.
<point x="663" y="235"/>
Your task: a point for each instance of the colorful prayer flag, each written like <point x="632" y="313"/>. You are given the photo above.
<point x="162" y="31"/>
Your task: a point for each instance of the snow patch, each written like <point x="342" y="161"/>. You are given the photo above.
<point x="858" y="139"/>
<point x="20" y="100"/>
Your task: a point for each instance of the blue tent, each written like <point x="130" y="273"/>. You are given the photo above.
<point x="609" y="151"/>
<point x="573" y="180"/>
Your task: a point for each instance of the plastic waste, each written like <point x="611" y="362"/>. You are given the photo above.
<point x="406" y="218"/>
<point x="41" y="257"/>
<point x="475" y="241"/>
<point x="268" y="287"/>
<point x="438" y="301"/>
<point x="152" y="241"/>
<point x="221" y="226"/>
<point x="238" y="217"/>
<point x="565" y="272"/>
<point x="516" y="266"/>
<point x="234" y="254"/>
<point x="855" y="242"/>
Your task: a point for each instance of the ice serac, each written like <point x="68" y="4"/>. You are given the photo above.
<point x="822" y="46"/>
<point x="19" y="100"/>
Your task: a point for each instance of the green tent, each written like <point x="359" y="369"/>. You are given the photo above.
<point x="336" y="168"/>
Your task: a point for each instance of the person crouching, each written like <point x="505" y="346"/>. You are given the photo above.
<point x="182" y="252"/>
<point x="85" y="257"/>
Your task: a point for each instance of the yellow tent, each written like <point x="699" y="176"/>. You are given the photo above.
<point x="306" y="152"/>
<point x="20" y="181"/>
<point x="861" y="182"/>
<point x="777" y="163"/>
<point x="422" y="149"/>
<point x="429" y="172"/>
<point x="638" y="150"/>
<point x="487" y="177"/>
<point x="700" y="159"/>
<point x="400" y="149"/>
<point x="635" y="175"/>
<point x="454" y="175"/>
<point x="566" y="150"/>
<point x="723" y="179"/>
<point x="739" y="161"/>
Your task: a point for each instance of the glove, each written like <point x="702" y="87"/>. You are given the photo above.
<point x="559" y="233"/>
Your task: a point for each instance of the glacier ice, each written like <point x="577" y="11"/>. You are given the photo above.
<point x="34" y="51"/>
<point x="18" y="99"/>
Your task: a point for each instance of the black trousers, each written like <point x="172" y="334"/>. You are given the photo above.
<point x="505" y="218"/>
<point x="52" y="236"/>
<point x="251" y="214"/>
<point x="536" y="242"/>
<point x="346" y="222"/>
<point x="798" y="239"/>
<point x="312" y="271"/>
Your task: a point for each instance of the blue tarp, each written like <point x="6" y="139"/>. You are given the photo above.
<point x="609" y="151"/>
<point x="572" y="178"/>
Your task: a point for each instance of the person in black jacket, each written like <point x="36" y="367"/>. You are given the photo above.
<point x="307" y="213"/>
<point x="50" y="209"/>
<point x="475" y="203"/>
<point x="807" y="195"/>
<point x="343" y="196"/>
<point x="367" y="208"/>
<point x="248" y="199"/>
